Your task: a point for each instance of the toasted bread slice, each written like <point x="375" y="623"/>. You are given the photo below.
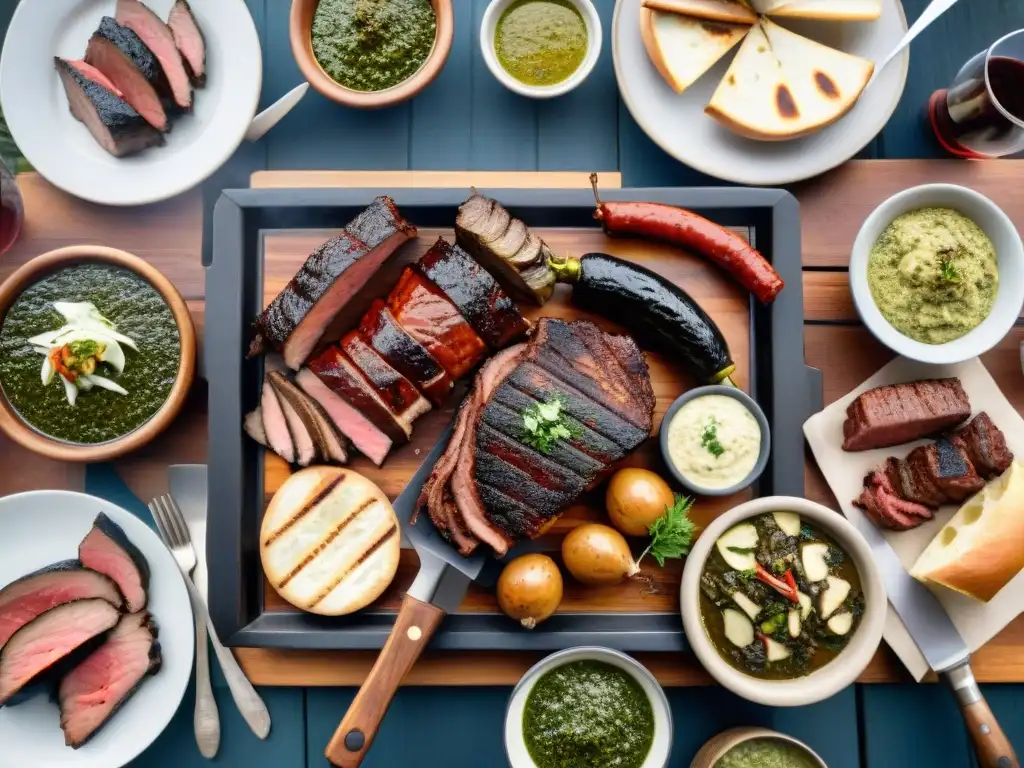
<point x="683" y="48"/>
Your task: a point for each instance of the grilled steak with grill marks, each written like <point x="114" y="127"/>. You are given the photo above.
<point x="899" y="413"/>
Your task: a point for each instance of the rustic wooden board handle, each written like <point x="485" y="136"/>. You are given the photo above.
<point x="414" y="626"/>
<point x="990" y="743"/>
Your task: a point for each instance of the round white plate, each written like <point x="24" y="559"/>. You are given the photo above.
<point x="42" y="527"/>
<point x="677" y="123"/>
<point x="62" y="149"/>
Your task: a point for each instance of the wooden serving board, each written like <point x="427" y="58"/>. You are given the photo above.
<point x="169" y="235"/>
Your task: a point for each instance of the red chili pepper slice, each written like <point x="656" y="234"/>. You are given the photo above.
<point x="792" y="583"/>
<point x="783" y="588"/>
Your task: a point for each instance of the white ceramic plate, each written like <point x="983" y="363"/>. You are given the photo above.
<point x="62" y="149"/>
<point x="42" y="527"/>
<point x="677" y="123"/>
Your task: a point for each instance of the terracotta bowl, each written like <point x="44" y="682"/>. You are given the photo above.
<point x="20" y="432"/>
<point x="302" y="50"/>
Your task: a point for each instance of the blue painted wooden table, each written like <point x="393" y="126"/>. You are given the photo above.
<point x="465" y="120"/>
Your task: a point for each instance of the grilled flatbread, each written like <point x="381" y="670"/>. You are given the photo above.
<point x="329" y="541"/>
<point x="782" y="85"/>
<point x="732" y="11"/>
<point x="683" y="48"/>
<point x="828" y="10"/>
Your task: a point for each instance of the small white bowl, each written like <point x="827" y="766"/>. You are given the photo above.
<point x="515" y="745"/>
<point x="594" y="34"/>
<point x="825" y="681"/>
<point x="1009" y="253"/>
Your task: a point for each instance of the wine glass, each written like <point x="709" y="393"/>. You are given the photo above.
<point x="12" y="210"/>
<point x="981" y="115"/>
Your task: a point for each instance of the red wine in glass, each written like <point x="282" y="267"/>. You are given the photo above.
<point x="12" y="210"/>
<point x="982" y="114"/>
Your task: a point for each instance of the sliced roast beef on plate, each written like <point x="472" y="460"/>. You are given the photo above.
<point x="403" y="400"/>
<point x="112" y="121"/>
<point x="160" y="40"/>
<point x="91" y="693"/>
<point x="899" y="413"/>
<point x="985" y="445"/>
<point x="328" y="444"/>
<point x="24" y="599"/>
<point x="52" y="644"/>
<point x="189" y="40"/>
<point x="107" y="549"/>
<point x="122" y="56"/>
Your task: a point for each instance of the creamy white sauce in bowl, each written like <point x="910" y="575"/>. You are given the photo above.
<point x="715" y="440"/>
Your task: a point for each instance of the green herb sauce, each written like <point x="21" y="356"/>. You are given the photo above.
<point x="136" y="309"/>
<point x="588" y="714"/>
<point x="541" y="42"/>
<point x="933" y="275"/>
<point x="372" y="45"/>
<point x="766" y="753"/>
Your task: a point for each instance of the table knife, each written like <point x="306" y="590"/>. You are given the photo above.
<point x="943" y="648"/>
<point x="438" y="589"/>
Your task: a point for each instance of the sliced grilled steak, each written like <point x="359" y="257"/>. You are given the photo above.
<point x="900" y="413"/>
<point x="986" y="446"/>
<point x="301" y="430"/>
<point x="350" y="420"/>
<point x="92" y="692"/>
<point x="478" y="297"/>
<point x="253" y="425"/>
<point x="298" y="316"/>
<point x="107" y="549"/>
<point x="404" y="353"/>
<point x="398" y="393"/>
<point x="24" y="599"/>
<point x="158" y="38"/>
<point x="53" y="643"/>
<point x="885" y="508"/>
<point x="132" y="67"/>
<point x="507" y="514"/>
<point x="118" y="128"/>
<point x="275" y="424"/>
<point x="430" y="318"/>
<point x="329" y="444"/>
<point x="948" y="468"/>
<point x="907" y="484"/>
<point x="189" y="40"/>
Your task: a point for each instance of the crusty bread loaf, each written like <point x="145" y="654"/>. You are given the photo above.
<point x="329" y="541"/>
<point x="982" y="547"/>
<point x="683" y="48"/>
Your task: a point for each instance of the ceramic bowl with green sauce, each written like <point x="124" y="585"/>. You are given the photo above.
<point x="97" y="353"/>
<point x="598" y="705"/>
<point x="541" y="48"/>
<point x="748" y="747"/>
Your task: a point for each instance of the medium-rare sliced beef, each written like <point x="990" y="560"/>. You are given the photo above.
<point x="118" y="128"/>
<point x="188" y="38"/>
<point x="899" y="413"/>
<point x="160" y="40"/>
<point x="52" y="644"/>
<point x="986" y="446"/>
<point x="131" y="66"/>
<point x="404" y="353"/>
<point x="253" y="425"/>
<point x="328" y="443"/>
<point x="300" y="431"/>
<point x="402" y="398"/>
<point x="430" y="318"/>
<point x="881" y="503"/>
<point x="479" y="298"/>
<point x="107" y="549"/>
<point x="24" y="599"/>
<point x="275" y="424"/>
<point x="297" y="318"/>
<point x="350" y="421"/>
<point x="334" y="368"/>
<point x="92" y="692"/>
<point x="948" y="468"/>
<point x="542" y="385"/>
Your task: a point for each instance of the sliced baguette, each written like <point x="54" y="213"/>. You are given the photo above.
<point x="782" y="85"/>
<point x="981" y="548"/>
<point x="732" y="11"/>
<point x="683" y="48"/>
<point x="827" y="10"/>
<point x="329" y="541"/>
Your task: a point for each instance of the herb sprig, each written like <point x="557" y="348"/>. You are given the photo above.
<point x="672" y="533"/>
<point x="544" y="423"/>
<point x="949" y="271"/>
<point x="709" y="439"/>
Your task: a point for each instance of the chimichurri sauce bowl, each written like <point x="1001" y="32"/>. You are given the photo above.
<point x="371" y="53"/>
<point x="782" y="602"/>
<point x="600" y="706"/>
<point x="97" y="353"/>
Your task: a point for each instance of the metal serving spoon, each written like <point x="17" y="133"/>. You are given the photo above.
<point x="931" y="13"/>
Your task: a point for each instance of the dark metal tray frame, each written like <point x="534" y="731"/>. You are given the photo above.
<point x="786" y="389"/>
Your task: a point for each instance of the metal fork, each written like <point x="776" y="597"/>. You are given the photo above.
<point x="171" y="524"/>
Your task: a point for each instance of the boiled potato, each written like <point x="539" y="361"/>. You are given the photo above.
<point x="636" y="498"/>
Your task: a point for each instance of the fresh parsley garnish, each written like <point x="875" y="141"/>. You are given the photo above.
<point x="709" y="439"/>
<point x="747" y="575"/>
<point x="544" y="423"/>
<point x="950" y="272"/>
<point x="672" y="533"/>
